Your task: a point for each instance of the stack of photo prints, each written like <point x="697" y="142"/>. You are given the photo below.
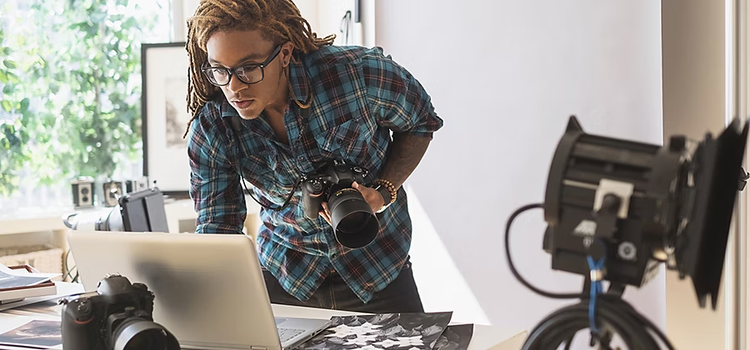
<point x="410" y="331"/>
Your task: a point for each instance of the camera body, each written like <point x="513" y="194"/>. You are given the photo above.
<point x="117" y="314"/>
<point x="355" y="224"/>
<point x="336" y="176"/>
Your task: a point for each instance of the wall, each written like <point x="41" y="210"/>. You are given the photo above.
<point x="505" y="76"/>
<point x="694" y="99"/>
<point x="324" y="17"/>
<point x="184" y="9"/>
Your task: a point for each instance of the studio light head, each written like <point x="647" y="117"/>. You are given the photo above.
<point x="646" y="203"/>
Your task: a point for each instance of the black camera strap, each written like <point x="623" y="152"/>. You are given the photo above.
<point x="235" y="124"/>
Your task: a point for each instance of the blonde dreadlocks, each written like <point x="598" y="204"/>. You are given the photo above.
<point x="278" y="20"/>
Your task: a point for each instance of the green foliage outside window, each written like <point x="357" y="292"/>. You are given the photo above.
<point x="70" y="88"/>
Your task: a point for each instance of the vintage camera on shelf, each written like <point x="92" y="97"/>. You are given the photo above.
<point x="136" y="185"/>
<point x="83" y="192"/>
<point x="354" y="223"/>
<point x="118" y="315"/>
<point x="112" y="190"/>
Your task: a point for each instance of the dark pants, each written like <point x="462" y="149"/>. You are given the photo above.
<point x="400" y="296"/>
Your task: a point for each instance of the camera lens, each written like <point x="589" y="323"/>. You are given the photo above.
<point x="354" y="223"/>
<point x="136" y="333"/>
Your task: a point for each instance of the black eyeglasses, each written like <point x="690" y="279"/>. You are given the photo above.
<point x="248" y="74"/>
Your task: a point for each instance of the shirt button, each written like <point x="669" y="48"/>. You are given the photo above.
<point x="301" y="157"/>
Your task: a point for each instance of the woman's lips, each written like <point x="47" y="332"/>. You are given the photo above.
<point x="242" y="104"/>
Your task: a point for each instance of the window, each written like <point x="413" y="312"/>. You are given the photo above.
<point x="70" y="90"/>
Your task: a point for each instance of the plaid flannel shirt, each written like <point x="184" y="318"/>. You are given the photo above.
<point x="358" y="97"/>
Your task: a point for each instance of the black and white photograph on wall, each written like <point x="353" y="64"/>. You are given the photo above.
<point x="36" y="334"/>
<point x="455" y="337"/>
<point x="164" y="69"/>
<point x="176" y="111"/>
<point x="382" y="331"/>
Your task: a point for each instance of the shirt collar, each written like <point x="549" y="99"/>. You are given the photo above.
<point x="299" y="82"/>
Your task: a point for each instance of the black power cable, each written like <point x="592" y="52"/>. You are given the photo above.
<point x="513" y="267"/>
<point x="612" y="312"/>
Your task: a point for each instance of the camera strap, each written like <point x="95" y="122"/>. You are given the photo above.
<point x="235" y="124"/>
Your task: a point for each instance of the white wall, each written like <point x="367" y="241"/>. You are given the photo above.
<point x="505" y="75"/>
<point x="324" y="18"/>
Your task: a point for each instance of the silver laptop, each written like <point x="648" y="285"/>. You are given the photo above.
<point x="209" y="288"/>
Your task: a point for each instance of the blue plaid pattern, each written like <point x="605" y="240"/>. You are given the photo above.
<point x="358" y="97"/>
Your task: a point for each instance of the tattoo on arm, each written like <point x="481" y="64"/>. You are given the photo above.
<point x="404" y="154"/>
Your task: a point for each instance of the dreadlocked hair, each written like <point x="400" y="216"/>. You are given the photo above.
<point x="278" y="20"/>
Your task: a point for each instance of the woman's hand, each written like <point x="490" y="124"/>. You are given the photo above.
<point x="372" y="197"/>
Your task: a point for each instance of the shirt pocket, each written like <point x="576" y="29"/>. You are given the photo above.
<point x="258" y="161"/>
<point x="347" y="140"/>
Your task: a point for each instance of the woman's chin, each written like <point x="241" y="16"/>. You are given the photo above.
<point x="248" y="114"/>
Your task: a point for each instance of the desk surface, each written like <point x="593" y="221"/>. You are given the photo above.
<point x="484" y="337"/>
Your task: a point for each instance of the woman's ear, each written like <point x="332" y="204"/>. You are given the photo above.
<point x="286" y="53"/>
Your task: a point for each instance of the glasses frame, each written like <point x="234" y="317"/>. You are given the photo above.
<point x="231" y="71"/>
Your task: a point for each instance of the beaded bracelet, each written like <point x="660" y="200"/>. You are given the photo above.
<point x="388" y="186"/>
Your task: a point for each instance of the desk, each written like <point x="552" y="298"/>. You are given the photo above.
<point x="484" y="337"/>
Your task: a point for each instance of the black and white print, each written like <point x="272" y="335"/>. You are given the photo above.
<point x="37" y="334"/>
<point x="176" y="111"/>
<point x="412" y="331"/>
<point x="455" y="337"/>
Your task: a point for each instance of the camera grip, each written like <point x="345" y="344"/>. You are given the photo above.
<point x="76" y="325"/>
<point x="312" y="198"/>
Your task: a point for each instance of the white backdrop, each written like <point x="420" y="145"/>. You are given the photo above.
<point x="505" y="75"/>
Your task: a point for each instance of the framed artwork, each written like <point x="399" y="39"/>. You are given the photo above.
<point x="164" y="70"/>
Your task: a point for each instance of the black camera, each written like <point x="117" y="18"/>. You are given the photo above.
<point x="354" y="223"/>
<point x="117" y="316"/>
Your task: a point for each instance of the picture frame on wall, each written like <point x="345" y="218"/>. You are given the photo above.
<point x="164" y="71"/>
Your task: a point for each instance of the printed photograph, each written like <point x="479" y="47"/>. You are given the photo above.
<point x="455" y="337"/>
<point x="176" y="111"/>
<point x="36" y="334"/>
<point x="13" y="281"/>
<point x="383" y="331"/>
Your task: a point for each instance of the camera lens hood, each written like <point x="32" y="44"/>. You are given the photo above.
<point x="354" y="223"/>
<point x="140" y="334"/>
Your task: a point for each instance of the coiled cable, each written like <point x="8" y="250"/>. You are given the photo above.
<point x="611" y="313"/>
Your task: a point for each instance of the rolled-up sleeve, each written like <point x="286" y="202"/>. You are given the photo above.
<point x="214" y="182"/>
<point x="397" y="100"/>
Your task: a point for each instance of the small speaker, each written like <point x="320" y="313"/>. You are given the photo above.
<point x="83" y="192"/>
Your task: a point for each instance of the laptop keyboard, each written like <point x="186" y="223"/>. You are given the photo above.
<point x="288" y="333"/>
